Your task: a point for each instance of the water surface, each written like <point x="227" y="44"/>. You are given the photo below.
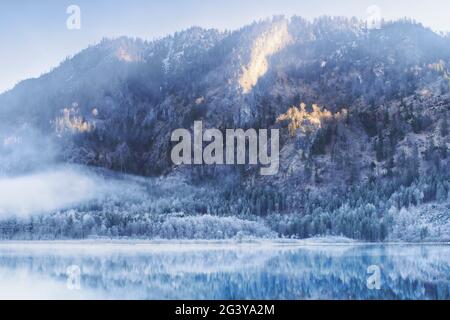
<point x="222" y="270"/>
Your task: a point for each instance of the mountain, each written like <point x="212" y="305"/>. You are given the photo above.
<point x="367" y="159"/>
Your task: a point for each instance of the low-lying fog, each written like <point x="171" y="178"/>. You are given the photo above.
<point x="32" y="181"/>
<point x="48" y="191"/>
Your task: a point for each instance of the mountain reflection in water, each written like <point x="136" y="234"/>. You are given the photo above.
<point x="222" y="271"/>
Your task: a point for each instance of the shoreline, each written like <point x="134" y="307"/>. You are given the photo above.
<point x="274" y="242"/>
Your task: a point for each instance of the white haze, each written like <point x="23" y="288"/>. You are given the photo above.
<point x="33" y="180"/>
<point x="24" y="150"/>
<point x="30" y="180"/>
<point x="47" y="191"/>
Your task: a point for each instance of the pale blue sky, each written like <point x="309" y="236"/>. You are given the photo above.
<point x="34" y="36"/>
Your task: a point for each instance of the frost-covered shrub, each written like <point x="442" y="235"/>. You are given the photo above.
<point x="210" y="227"/>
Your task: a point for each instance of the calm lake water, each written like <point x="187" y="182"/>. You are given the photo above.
<point x="210" y="270"/>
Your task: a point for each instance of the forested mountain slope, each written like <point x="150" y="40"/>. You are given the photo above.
<point x="363" y="117"/>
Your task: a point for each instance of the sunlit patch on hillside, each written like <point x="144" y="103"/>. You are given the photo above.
<point x="300" y="118"/>
<point x="124" y="55"/>
<point x="267" y="44"/>
<point x="71" y="121"/>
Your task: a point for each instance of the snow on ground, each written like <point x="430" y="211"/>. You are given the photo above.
<point x="175" y="245"/>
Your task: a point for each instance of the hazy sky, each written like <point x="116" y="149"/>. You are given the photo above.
<point x="34" y="36"/>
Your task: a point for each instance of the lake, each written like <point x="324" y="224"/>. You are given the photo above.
<point x="223" y="270"/>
